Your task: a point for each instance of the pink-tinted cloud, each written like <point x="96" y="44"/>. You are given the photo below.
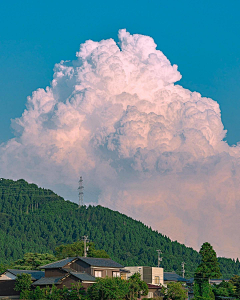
<point x="149" y="147"/>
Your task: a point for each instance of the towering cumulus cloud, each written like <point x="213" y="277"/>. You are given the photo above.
<point x="145" y="145"/>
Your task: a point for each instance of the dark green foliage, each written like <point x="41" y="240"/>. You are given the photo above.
<point x="137" y="287"/>
<point x="208" y="268"/>
<point x="117" y="288"/>
<point x="175" y="291"/>
<point x="203" y="291"/>
<point x="108" y="288"/>
<point x="23" y="282"/>
<point x="77" y="249"/>
<point x="224" y="289"/>
<point x="235" y="281"/>
<point x="75" y="293"/>
<point x="32" y="261"/>
<point x="37" y="220"/>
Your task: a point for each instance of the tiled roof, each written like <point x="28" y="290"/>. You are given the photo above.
<point x="172" y="276"/>
<point x="101" y="262"/>
<point x="68" y="270"/>
<point x="35" y="275"/>
<point x="153" y="286"/>
<point x="48" y="281"/>
<point x="83" y="276"/>
<point x="59" y="264"/>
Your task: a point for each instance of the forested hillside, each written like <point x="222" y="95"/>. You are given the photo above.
<point x="33" y="219"/>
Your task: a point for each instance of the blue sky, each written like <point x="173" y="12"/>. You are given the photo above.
<point x="201" y="37"/>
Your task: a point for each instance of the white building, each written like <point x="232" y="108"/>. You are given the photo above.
<point x="151" y="275"/>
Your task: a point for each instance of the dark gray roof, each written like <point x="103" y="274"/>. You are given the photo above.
<point x="35" y="275"/>
<point x="83" y="276"/>
<point x="101" y="262"/>
<point x="59" y="264"/>
<point x="172" y="276"/>
<point x="190" y="280"/>
<point x="48" y="281"/>
<point x="68" y="270"/>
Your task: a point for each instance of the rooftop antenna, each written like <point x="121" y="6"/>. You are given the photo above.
<point x="80" y="193"/>
<point x="159" y="257"/>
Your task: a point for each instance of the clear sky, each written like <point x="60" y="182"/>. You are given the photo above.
<point x="201" y="37"/>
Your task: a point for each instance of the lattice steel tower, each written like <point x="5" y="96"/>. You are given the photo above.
<point x="80" y="192"/>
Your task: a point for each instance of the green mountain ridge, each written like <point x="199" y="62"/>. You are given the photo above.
<point x="34" y="219"/>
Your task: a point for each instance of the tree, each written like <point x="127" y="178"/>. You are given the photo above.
<point x="235" y="280"/>
<point x="208" y="268"/>
<point x="117" y="288"/>
<point x="108" y="288"/>
<point x="32" y="261"/>
<point x="137" y="287"/>
<point x="77" y="292"/>
<point x="77" y="249"/>
<point x="23" y="284"/>
<point x="224" y="289"/>
<point x="175" y="291"/>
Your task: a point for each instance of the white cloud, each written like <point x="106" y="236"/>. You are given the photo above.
<point x="147" y="146"/>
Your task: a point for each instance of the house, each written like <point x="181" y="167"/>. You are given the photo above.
<point x="151" y="275"/>
<point x="74" y="269"/>
<point x="63" y="273"/>
<point x="8" y="279"/>
<point x="154" y="291"/>
<point x="217" y="281"/>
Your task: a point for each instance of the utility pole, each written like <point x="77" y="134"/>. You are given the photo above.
<point x="159" y="257"/>
<point x="85" y="240"/>
<point x="183" y="270"/>
<point x="80" y="193"/>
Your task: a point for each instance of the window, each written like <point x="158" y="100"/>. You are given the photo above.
<point x="157" y="280"/>
<point x="150" y="295"/>
<point x="124" y="276"/>
<point x="98" y="273"/>
<point x="116" y="274"/>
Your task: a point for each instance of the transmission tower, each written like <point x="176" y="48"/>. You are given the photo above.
<point x="159" y="257"/>
<point x="80" y="192"/>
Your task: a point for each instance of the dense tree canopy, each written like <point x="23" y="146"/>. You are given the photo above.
<point x="77" y="249"/>
<point x="235" y="281"/>
<point x="32" y="261"/>
<point x="224" y="289"/>
<point x="118" y="289"/>
<point x="208" y="268"/>
<point x="36" y="220"/>
<point x="23" y="282"/>
<point x="175" y="291"/>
